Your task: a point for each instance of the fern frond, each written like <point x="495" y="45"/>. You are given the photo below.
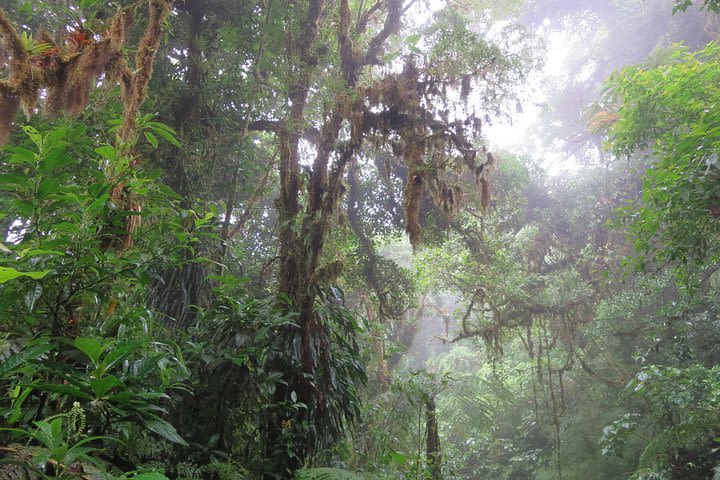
<point x="333" y="474"/>
<point x="655" y="454"/>
<point x="226" y="471"/>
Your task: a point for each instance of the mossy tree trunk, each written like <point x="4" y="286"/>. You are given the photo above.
<point x="432" y="439"/>
<point x="302" y="234"/>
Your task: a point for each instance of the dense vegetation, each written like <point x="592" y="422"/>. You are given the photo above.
<point x="277" y="239"/>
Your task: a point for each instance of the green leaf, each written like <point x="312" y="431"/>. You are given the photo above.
<point x="102" y="386"/>
<point x="76" y="453"/>
<point x="90" y="347"/>
<point x="152" y="139"/>
<point x="7" y="274"/>
<point x="161" y="126"/>
<point x="65" y="389"/>
<point x="56" y="427"/>
<point x="413" y="39"/>
<point x="21" y="358"/>
<point x="107" y="151"/>
<point x="48" y="187"/>
<point x="24" y="208"/>
<point x="43" y="434"/>
<point x="21" y="156"/>
<point x="165" y="430"/>
<point x="32" y="296"/>
<point x="121" y="397"/>
<point x="166" y="133"/>
<point x="119" y="354"/>
<point x="55" y="159"/>
<point x="98" y="203"/>
<point x="34" y="135"/>
<point x="27" y="253"/>
<point x="15" y="182"/>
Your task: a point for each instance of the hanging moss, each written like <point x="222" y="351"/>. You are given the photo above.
<point x="438" y="152"/>
<point x="20" y="89"/>
<point x="414" y="189"/>
<point x="69" y="90"/>
<point x="9" y="106"/>
<point x="19" y="64"/>
<point x="68" y="73"/>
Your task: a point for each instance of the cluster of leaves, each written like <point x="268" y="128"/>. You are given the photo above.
<point x="391" y="440"/>
<point x="682" y="5"/>
<point x="489" y="430"/>
<point x="79" y="397"/>
<point x="678" y="421"/>
<point x="90" y="375"/>
<point x="667" y="112"/>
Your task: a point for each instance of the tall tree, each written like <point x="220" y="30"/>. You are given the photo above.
<point x="393" y="104"/>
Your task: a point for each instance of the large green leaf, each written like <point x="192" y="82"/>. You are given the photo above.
<point x="165" y="430"/>
<point x="23" y="357"/>
<point x="91" y="347"/>
<point x="102" y="386"/>
<point x="65" y="389"/>
<point x="55" y="159"/>
<point x="7" y="274"/>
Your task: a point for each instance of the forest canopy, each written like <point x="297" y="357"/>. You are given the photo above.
<point x="359" y="239"/>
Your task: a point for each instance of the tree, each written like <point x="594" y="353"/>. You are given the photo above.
<point x="398" y="108"/>
<point x="665" y="113"/>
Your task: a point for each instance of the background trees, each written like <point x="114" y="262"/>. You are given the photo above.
<point x="241" y="240"/>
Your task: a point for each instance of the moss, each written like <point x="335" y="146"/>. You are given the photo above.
<point x="9" y="106"/>
<point x="68" y="73"/>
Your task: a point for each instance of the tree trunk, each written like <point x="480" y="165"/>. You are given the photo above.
<point x="434" y="456"/>
<point x="290" y="436"/>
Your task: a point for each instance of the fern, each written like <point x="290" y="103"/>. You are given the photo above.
<point x="226" y="471"/>
<point x="655" y="453"/>
<point x="649" y="474"/>
<point x="691" y="434"/>
<point x="333" y="474"/>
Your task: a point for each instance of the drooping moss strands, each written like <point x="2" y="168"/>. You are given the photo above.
<point x="135" y="87"/>
<point x="17" y="90"/>
<point x="19" y="58"/>
<point x="9" y="107"/>
<point x="68" y="72"/>
<point x="70" y="91"/>
<point x="414" y="188"/>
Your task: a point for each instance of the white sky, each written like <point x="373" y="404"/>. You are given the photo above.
<point x="521" y="137"/>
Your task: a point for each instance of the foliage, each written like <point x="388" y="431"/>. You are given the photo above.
<point x="392" y="441"/>
<point x="666" y="112"/>
<point x="682" y="5"/>
<point x="680" y="409"/>
<point x="223" y="289"/>
<point x="331" y="474"/>
<point x="78" y="396"/>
